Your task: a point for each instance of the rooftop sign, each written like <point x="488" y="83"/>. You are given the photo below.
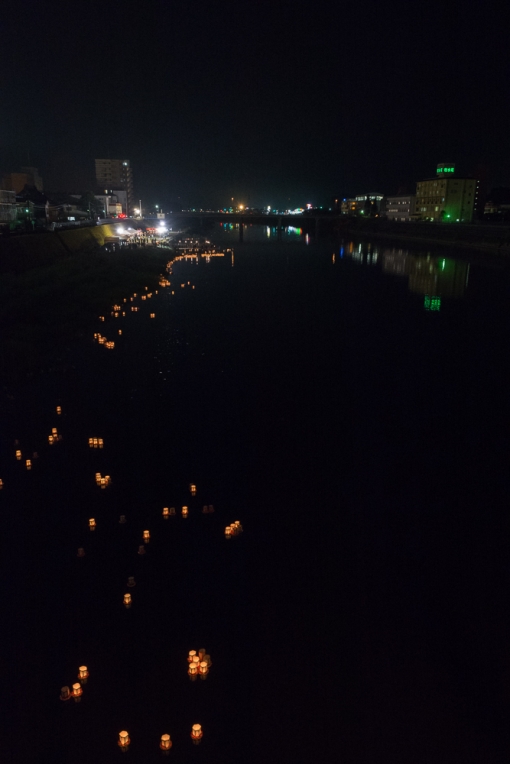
<point x="445" y="169"/>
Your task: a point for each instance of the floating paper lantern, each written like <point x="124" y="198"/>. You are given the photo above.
<point x="83" y="674"/>
<point x="192" y="489"/>
<point x="146" y="536"/>
<point x="18" y="455"/>
<point x="92" y="524"/>
<point x="201" y="653"/>
<point x="131" y="581"/>
<point x="122" y="519"/>
<point x="203" y="668"/>
<point x="165" y="743"/>
<point x="228" y="532"/>
<point x="153" y="315"/>
<point x="127" y="600"/>
<point x="193" y="670"/>
<point x="120" y="331"/>
<point x="28" y="464"/>
<point x="103" y="483"/>
<point x="1" y="484"/>
<point x="77" y="691"/>
<point x="124" y="740"/>
<point x="207" y="659"/>
<point x="100" y="442"/>
<point x="191" y="655"/>
<point x="185" y="511"/>
<point x="65" y="693"/>
<point x="205" y="509"/>
<point x="211" y="508"/>
<point x="196" y="733"/>
<point x="51" y="439"/>
<point x="165" y="513"/>
<point x="172" y="511"/>
<point x="59" y="410"/>
<point x="81" y="552"/>
<point x="141" y="549"/>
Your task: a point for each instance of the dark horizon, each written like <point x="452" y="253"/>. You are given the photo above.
<point x="279" y="105"/>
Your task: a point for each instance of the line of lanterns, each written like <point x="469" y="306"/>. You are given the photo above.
<point x="165" y="742"/>
<point x="96" y="442"/>
<point x="234" y="529"/>
<point x="77" y="691"/>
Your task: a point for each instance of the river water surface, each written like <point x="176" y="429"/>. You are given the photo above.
<point x="348" y="403"/>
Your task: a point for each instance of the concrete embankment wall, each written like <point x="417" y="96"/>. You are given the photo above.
<point x="41" y="248"/>
<point x="55" y="243"/>
<point x="487" y="238"/>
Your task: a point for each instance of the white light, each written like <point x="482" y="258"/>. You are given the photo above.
<point x="120" y="229"/>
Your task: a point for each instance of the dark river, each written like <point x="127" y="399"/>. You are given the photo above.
<point x="348" y="403"/>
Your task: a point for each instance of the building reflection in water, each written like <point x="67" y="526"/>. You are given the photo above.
<point x="429" y="275"/>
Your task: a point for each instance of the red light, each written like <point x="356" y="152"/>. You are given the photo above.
<point x="122" y="215"/>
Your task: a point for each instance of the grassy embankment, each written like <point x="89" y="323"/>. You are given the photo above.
<point x="47" y="304"/>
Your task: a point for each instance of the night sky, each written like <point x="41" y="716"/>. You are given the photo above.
<point x="279" y="103"/>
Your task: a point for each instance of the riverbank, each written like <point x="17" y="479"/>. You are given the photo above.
<point x="43" y="309"/>
<point x="494" y="240"/>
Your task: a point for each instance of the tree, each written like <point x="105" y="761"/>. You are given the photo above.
<point x="91" y="204"/>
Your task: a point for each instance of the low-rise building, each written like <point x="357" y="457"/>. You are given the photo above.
<point x="401" y="207"/>
<point x="28" y="176"/>
<point x="446" y="197"/>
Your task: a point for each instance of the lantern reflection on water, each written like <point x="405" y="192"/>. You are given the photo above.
<point x="196" y="733"/>
<point x="92" y="524"/>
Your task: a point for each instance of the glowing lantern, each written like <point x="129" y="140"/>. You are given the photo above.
<point x="1" y="484"/>
<point x="101" y="318"/>
<point x="127" y="601"/>
<point x="28" y="464"/>
<point x="196" y="733"/>
<point x="123" y="312"/>
<point x="122" y="519"/>
<point x="131" y="581"/>
<point x="193" y="671"/>
<point x="91" y="442"/>
<point x="195" y="660"/>
<point x="165" y="743"/>
<point x="191" y="655"/>
<point x="92" y="524"/>
<point x="50" y="439"/>
<point x="184" y="511"/>
<point x="153" y="315"/>
<point x="192" y="489"/>
<point x="77" y="692"/>
<point x="124" y="740"/>
<point x="100" y="442"/>
<point x="81" y="552"/>
<point x="203" y="669"/>
<point x="141" y="549"/>
<point x="103" y="483"/>
<point x="18" y="455"/>
<point x="143" y="297"/>
<point x="165" y="513"/>
<point x="120" y="331"/>
<point x="228" y="532"/>
<point x="146" y="536"/>
<point x="83" y="674"/>
<point x="59" y="410"/>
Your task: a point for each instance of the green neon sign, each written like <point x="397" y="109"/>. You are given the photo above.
<point x="445" y="169"/>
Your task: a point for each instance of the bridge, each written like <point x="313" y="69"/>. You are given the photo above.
<point x="310" y="220"/>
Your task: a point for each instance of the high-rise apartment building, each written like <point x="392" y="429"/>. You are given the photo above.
<point x="447" y="197"/>
<point x="115" y="175"/>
